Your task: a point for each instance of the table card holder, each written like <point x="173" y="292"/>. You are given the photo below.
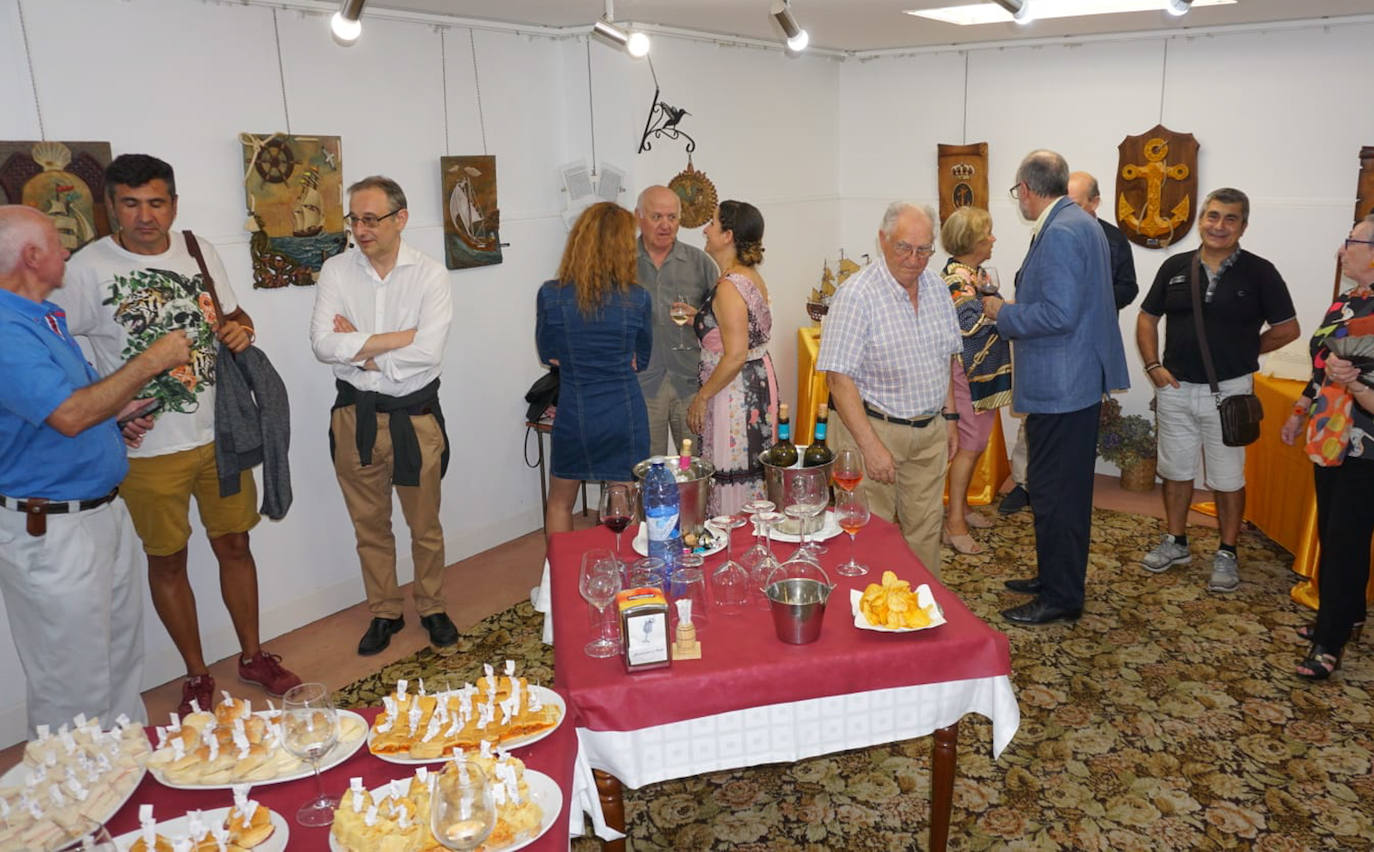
<point x="685" y="644"/>
<point x="643" y="628"/>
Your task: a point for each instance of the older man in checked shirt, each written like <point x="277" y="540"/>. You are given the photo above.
<point x="891" y="339"/>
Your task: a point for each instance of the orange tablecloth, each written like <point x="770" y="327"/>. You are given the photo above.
<point x="1279" y="497"/>
<point x="992" y="469"/>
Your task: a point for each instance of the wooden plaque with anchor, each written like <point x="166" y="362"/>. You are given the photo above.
<point x="1156" y="186"/>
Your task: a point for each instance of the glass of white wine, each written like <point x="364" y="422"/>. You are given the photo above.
<point x="310" y="728"/>
<point x="678" y="314"/>
<point x="462" y="813"/>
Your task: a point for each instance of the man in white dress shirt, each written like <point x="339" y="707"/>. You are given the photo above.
<point x="381" y="321"/>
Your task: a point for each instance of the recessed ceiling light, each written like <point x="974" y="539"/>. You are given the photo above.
<point x="991" y="13"/>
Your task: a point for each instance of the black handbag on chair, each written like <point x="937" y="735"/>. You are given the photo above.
<point x="542" y="395"/>
<point x="1240" y="414"/>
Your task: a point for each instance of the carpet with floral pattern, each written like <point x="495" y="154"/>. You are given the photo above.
<point x="1168" y="717"/>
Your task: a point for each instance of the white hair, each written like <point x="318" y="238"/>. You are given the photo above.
<point x="20" y="227"/>
<point x="897" y="208"/>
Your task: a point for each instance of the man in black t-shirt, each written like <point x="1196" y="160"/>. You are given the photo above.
<point x="1241" y="293"/>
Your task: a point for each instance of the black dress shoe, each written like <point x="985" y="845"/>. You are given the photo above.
<point x="442" y="634"/>
<point x="378" y="635"/>
<point x="1028" y="586"/>
<point x="1016" y="500"/>
<point x="1038" y="612"/>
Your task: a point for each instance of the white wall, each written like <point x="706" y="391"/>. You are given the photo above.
<point x="181" y="79"/>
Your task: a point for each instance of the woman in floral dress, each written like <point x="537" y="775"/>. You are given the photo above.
<point x="736" y="408"/>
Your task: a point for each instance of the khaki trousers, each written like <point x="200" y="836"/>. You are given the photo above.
<point x="916" y="501"/>
<point x="367" y="494"/>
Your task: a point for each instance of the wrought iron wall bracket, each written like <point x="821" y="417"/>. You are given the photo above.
<point x="662" y="123"/>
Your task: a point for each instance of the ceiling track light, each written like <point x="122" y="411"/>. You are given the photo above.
<point x="346" y="25"/>
<point x="1178" y="8"/>
<point x="634" y="43"/>
<point x="797" y="38"/>
<point x="1019" y="9"/>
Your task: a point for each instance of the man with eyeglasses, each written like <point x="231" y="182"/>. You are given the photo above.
<point x="1241" y="292"/>
<point x="122" y="292"/>
<point x="1066" y="353"/>
<point x="891" y="341"/>
<point x="381" y="321"/>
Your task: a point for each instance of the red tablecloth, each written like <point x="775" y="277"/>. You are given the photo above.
<point x="743" y="662"/>
<point x="554" y="756"/>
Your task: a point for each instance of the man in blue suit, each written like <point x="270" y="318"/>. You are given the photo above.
<point x="1066" y="353"/>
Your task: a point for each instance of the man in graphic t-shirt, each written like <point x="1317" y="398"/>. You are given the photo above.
<point x="123" y="292"/>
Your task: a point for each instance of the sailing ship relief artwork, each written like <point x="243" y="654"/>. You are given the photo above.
<point x="294" y="186"/>
<point x="472" y="219"/>
<point x="63" y="180"/>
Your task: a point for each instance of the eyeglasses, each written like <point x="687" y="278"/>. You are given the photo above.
<point x="907" y="250"/>
<point x="1353" y="242"/>
<point x="1015" y="191"/>
<point x="369" y="220"/>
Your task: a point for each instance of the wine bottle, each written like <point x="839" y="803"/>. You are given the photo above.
<point x="784" y="452"/>
<point x="684" y="462"/>
<point x="818" y="453"/>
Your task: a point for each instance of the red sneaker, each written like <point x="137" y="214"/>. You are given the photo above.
<point x="202" y="689"/>
<point x="265" y="670"/>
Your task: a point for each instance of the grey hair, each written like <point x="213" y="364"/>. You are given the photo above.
<point x="395" y="196"/>
<point x="896" y="209"/>
<point x="1045" y="173"/>
<point x="644" y="194"/>
<point x="1094" y="191"/>
<point x="1230" y="195"/>
<point x="20" y="227"/>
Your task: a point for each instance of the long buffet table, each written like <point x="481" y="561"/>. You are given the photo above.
<point x="752" y="699"/>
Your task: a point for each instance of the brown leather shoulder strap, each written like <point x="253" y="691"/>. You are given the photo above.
<point x="194" y="248"/>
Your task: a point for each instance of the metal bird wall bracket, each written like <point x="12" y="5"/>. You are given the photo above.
<point x="663" y="124"/>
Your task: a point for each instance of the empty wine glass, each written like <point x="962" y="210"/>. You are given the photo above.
<point x="679" y="315"/>
<point x="848" y="469"/>
<point x="310" y="729"/>
<point x="688" y="581"/>
<point x="599" y="581"/>
<point x="462" y="813"/>
<point x="806" y="498"/>
<point x="851" y="510"/>
<point x="615" y="511"/>
<point x="730" y="581"/>
<point x="768" y="563"/>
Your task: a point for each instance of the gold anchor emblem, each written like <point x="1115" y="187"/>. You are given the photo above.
<point x="1154" y="194"/>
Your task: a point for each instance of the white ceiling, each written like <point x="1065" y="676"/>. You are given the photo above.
<point x="861" y="25"/>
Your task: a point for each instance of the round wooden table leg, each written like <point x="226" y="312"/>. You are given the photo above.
<point x="942" y="762"/>
<point x="612" y="797"/>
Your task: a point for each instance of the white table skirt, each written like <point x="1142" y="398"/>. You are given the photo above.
<point x="792" y="730"/>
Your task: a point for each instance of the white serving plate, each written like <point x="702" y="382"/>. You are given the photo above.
<point x="546" y="696"/>
<point x="829" y="529"/>
<point x="924" y="598"/>
<point x="641" y="542"/>
<point x="543" y="790"/>
<point x="342" y="750"/>
<point x="16" y="775"/>
<point x="177" y="827"/>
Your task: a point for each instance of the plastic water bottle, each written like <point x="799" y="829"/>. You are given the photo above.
<point x="661" y="514"/>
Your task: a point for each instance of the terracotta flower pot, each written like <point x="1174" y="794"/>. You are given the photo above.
<point x="1139" y="476"/>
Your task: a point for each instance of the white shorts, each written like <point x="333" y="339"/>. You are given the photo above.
<point x="1188" y="420"/>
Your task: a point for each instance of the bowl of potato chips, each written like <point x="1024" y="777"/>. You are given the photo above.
<point x="894" y="607"/>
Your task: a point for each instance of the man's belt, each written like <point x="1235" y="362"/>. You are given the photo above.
<point x="38" y="509"/>
<point x="919" y="422"/>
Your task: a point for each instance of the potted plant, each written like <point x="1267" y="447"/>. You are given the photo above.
<point x="1128" y="441"/>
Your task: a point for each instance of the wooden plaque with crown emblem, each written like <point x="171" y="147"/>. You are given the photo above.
<point x="963" y="177"/>
<point x="1156" y="186"/>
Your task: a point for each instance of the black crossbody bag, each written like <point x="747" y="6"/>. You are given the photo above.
<point x="1240" y="414"/>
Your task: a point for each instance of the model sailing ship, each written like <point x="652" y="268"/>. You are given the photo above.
<point x="818" y="303"/>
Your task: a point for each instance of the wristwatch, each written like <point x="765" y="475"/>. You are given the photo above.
<point x="950" y="415"/>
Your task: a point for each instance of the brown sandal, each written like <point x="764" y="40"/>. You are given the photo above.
<point x="962" y="543"/>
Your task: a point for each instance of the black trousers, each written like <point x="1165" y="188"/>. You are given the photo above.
<point x="1059" y="466"/>
<point x="1345" y="523"/>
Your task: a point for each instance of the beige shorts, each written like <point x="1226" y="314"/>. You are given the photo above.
<point x="1190" y="426"/>
<point x="158" y="491"/>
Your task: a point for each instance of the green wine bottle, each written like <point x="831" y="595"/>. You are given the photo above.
<point x="784" y="452"/>
<point x="818" y="453"/>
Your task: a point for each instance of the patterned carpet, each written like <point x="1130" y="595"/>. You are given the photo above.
<point x="1167" y="718"/>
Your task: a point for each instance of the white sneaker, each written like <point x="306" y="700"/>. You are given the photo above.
<point x="1225" y="576"/>
<point x="1167" y="552"/>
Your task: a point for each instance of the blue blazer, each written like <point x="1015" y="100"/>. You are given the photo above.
<point x="1066" y="344"/>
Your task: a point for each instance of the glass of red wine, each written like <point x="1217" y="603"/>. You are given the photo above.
<point x="848" y="469"/>
<point x="615" y="512"/>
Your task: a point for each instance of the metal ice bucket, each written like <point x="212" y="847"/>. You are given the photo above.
<point x="798" y="607"/>
<point x="777" y="481"/>
<point x="691" y="493"/>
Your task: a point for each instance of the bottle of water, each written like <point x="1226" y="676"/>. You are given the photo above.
<point x="661" y="514"/>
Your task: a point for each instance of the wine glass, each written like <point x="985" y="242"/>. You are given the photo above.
<point x="768" y="563"/>
<point x="599" y="581"/>
<point x="82" y="835"/>
<point x="851" y="510"/>
<point x="462" y="813"/>
<point x="615" y="511"/>
<point x="730" y="581"/>
<point x="679" y="315"/>
<point x="806" y="498"/>
<point x="988" y="282"/>
<point x="848" y="469"/>
<point x="688" y="581"/>
<point x="310" y="729"/>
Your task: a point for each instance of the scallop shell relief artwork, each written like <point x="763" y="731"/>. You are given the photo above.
<point x="294" y="189"/>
